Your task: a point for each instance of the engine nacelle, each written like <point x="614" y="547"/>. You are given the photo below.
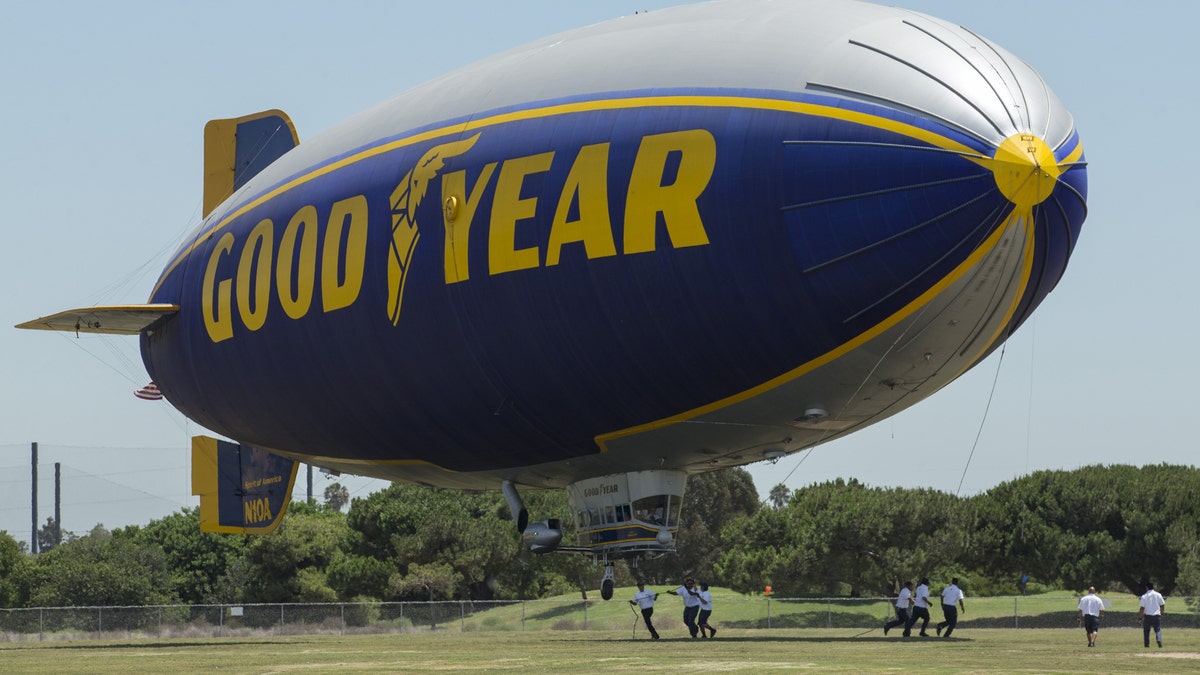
<point x="544" y="536"/>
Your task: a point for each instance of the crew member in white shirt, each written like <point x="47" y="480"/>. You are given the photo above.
<point x="1150" y="612"/>
<point x="920" y="609"/>
<point x="644" y="599"/>
<point x="691" y="605"/>
<point x="952" y="600"/>
<point x="1091" y="608"/>
<point x="705" y="612"/>
<point x="904" y="603"/>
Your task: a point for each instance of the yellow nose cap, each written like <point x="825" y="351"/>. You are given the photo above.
<point x="1025" y="170"/>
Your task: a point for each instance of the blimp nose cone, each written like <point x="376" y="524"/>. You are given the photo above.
<point x="1025" y="170"/>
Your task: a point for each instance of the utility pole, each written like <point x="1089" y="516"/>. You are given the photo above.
<point x="33" y="547"/>
<point x="57" y="503"/>
<point x="310" y="497"/>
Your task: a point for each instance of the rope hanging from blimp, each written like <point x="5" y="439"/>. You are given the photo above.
<point x="986" y="408"/>
<point x="125" y="282"/>
<point x="866" y="378"/>
<point x="124" y="365"/>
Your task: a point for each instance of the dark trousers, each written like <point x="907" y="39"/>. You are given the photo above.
<point x="646" y="614"/>
<point x="689" y="619"/>
<point x="1154" y="622"/>
<point x="921" y="613"/>
<point x="951" y="613"/>
<point x="900" y="620"/>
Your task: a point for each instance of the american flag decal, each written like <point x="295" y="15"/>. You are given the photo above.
<point x="149" y="392"/>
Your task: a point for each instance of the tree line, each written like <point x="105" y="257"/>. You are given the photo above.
<point x="1109" y="526"/>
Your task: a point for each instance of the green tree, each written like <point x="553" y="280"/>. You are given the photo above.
<point x="290" y="564"/>
<point x="434" y="581"/>
<point x="471" y="533"/>
<point x="779" y="496"/>
<point x="1096" y="525"/>
<point x="49" y="535"/>
<point x="357" y="576"/>
<point x="844" y="538"/>
<point x="238" y="584"/>
<point x="99" y="569"/>
<point x="197" y="559"/>
<point x="336" y="496"/>
<point x="710" y="501"/>
<point x="12" y="567"/>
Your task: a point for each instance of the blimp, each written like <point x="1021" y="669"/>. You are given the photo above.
<point x="668" y="243"/>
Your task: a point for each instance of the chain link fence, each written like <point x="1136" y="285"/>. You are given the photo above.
<point x="260" y="620"/>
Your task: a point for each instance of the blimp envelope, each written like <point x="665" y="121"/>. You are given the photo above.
<point x="677" y="241"/>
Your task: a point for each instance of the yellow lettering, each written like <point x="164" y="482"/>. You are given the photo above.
<point x="218" y="320"/>
<point x="297" y="298"/>
<point x="341" y="290"/>
<point x="587" y="186"/>
<point x="254" y="275"/>
<point x="257" y="511"/>
<point x="697" y="152"/>
<point x="458" y="227"/>
<point x="507" y="209"/>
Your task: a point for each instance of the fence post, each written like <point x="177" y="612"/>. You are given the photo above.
<point x="343" y="606"/>
<point x="160" y="609"/>
<point x="829" y="612"/>
<point x="41" y="624"/>
<point x="100" y="621"/>
<point x="462" y="617"/>
<point x="522" y="615"/>
<point x="768" y="611"/>
<point x="221" y="621"/>
<point x="1016" y="621"/>
<point x="281" y="619"/>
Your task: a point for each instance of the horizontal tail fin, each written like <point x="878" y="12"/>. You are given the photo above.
<point x="110" y="320"/>
<point x="236" y="149"/>
<point x="242" y="489"/>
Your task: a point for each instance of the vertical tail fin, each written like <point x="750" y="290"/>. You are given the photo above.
<point x="236" y="149"/>
<point x="243" y="490"/>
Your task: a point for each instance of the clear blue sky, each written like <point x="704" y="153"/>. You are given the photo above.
<point x="104" y="105"/>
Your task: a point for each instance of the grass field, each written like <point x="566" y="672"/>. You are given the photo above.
<point x="734" y="650"/>
<point x="565" y="635"/>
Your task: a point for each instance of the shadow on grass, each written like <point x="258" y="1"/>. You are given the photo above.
<point x="814" y="619"/>
<point x="154" y="643"/>
<point x="872" y="639"/>
<point x="557" y="611"/>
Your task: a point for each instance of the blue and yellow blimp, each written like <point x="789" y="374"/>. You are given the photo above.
<point x="672" y="242"/>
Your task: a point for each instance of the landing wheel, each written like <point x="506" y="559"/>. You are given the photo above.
<point x="606" y="584"/>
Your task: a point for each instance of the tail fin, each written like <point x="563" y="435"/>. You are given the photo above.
<point x="236" y="149"/>
<point x="242" y="489"/>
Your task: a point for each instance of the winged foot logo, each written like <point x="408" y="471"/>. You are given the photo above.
<point x="405" y="199"/>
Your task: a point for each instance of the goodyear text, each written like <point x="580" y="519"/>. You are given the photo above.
<point x="243" y="279"/>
